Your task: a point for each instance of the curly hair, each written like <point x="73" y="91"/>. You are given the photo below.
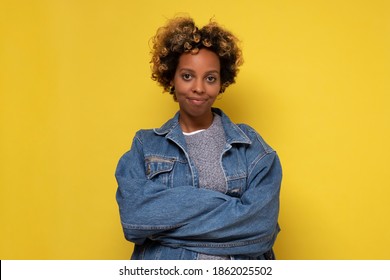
<point x="181" y="35"/>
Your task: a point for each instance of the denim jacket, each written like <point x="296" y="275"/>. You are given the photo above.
<point x="165" y="213"/>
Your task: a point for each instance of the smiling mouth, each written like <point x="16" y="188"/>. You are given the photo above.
<point x="196" y="101"/>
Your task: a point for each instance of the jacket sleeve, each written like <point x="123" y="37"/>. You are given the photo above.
<point x="199" y="219"/>
<point x="238" y="226"/>
<point x="148" y="209"/>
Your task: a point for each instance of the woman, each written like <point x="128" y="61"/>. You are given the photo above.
<point x="200" y="186"/>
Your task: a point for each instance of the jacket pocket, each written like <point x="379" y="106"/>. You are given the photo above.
<point x="236" y="184"/>
<point x="159" y="168"/>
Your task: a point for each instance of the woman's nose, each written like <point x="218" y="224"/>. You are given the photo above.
<point x="198" y="87"/>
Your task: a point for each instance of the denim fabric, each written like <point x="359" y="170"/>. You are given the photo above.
<point x="165" y="213"/>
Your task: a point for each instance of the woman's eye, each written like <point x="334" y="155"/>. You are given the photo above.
<point x="211" y="79"/>
<point x="186" y="77"/>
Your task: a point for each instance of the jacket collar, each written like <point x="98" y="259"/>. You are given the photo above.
<point x="172" y="130"/>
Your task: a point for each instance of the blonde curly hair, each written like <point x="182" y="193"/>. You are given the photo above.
<point x="181" y="35"/>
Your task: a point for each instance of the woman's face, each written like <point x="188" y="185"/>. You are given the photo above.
<point x="197" y="83"/>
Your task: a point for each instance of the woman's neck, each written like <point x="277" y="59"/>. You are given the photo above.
<point x="193" y="124"/>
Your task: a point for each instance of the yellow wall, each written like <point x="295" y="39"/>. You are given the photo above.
<point x="75" y="86"/>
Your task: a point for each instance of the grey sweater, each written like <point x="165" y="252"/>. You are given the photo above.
<point x="205" y="149"/>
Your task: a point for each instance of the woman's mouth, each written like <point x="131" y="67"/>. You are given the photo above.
<point x="196" y="101"/>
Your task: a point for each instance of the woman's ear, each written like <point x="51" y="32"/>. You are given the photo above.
<point x="172" y="90"/>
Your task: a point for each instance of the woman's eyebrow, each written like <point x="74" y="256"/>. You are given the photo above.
<point x="186" y="69"/>
<point x="193" y="71"/>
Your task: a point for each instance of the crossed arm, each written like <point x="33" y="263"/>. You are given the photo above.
<point x="199" y="219"/>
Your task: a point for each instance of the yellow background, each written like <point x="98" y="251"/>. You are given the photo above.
<point x="75" y="86"/>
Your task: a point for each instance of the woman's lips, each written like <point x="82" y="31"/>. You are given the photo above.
<point x="196" y="101"/>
